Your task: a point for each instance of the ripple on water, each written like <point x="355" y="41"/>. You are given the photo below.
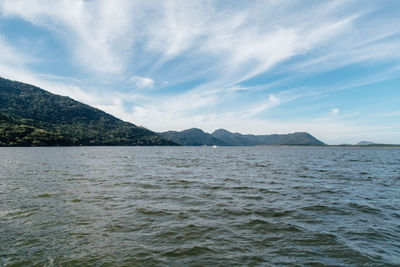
<point x="325" y="209"/>
<point x="189" y="251"/>
<point x="45" y="195"/>
<point x="363" y="208"/>
<point x="186" y="206"/>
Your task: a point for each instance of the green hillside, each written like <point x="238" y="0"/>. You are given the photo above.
<point x="299" y="138"/>
<point x="193" y="137"/>
<point x="222" y="137"/>
<point x="32" y="116"/>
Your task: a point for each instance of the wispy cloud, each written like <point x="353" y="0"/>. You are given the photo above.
<point x="97" y="37"/>
<point x="142" y="82"/>
<point x="334" y="111"/>
<point x="208" y="61"/>
<point x="272" y="101"/>
<point x="241" y="41"/>
<point x="12" y="57"/>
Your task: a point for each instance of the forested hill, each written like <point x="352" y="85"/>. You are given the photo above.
<point x="299" y="138"/>
<point x="193" y="137"/>
<point x="32" y="116"/>
<point x="221" y="137"/>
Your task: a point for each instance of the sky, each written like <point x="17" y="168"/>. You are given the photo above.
<point x="330" y="68"/>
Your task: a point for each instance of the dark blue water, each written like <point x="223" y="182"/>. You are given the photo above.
<point x="199" y="206"/>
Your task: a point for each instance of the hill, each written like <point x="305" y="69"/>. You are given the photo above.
<point x="193" y="137"/>
<point x="238" y="139"/>
<point x="365" y="143"/>
<point x="32" y="116"/>
<point x="221" y="137"/>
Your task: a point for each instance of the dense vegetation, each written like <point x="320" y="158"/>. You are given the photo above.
<point x="299" y="138"/>
<point x="225" y="138"/>
<point x="193" y="137"/>
<point x="31" y="116"/>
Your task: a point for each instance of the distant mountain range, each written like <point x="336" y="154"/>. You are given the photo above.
<point x="30" y="116"/>
<point x="221" y="137"/>
<point x="365" y="143"/>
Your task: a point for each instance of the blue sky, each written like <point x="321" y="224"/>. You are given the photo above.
<point x="331" y="68"/>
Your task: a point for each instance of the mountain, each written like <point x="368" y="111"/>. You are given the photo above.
<point x="221" y="137"/>
<point x="193" y="137"/>
<point x="238" y="139"/>
<point x="32" y="116"/>
<point x="365" y="143"/>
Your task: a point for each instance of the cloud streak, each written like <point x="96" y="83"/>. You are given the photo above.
<point x="97" y="38"/>
<point x="142" y="82"/>
<point x="207" y="62"/>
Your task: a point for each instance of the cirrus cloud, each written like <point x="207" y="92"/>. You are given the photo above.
<point x="210" y="61"/>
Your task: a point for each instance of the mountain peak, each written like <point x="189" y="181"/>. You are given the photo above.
<point x="364" y="143"/>
<point x="194" y="130"/>
<point x="193" y="137"/>
<point x="221" y="131"/>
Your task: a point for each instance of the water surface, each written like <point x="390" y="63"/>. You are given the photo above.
<point x="198" y="206"/>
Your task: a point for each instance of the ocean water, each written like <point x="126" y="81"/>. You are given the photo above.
<point x="199" y="206"/>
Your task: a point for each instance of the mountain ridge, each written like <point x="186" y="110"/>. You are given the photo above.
<point x="193" y="137"/>
<point x="222" y="137"/>
<point x="365" y="143"/>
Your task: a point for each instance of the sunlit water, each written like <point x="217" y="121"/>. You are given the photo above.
<point x="199" y="206"/>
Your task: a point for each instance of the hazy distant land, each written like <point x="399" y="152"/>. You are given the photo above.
<point x="222" y="137"/>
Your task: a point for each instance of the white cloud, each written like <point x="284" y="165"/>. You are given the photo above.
<point x="12" y="57"/>
<point x="185" y="41"/>
<point x="98" y="37"/>
<point x="142" y="82"/>
<point x="238" y="42"/>
<point x="179" y="26"/>
<point x="272" y="101"/>
<point x="13" y="65"/>
<point x="334" y="111"/>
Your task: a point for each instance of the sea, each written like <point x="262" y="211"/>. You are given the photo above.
<point x="200" y="206"/>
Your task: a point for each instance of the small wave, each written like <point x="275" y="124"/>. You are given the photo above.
<point x="273" y="213"/>
<point x="262" y="165"/>
<point x="189" y="251"/>
<point x="327" y="209"/>
<point x="257" y="222"/>
<point x="306" y="176"/>
<point x="118" y="228"/>
<point x="254" y="197"/>
<point x="45" y="195"/>
<point x="4" y="213"/>
<point x="180" y="182"/>
<point x="364" y="208"/>
<point x="147" y="211"/>
<point x="76" y="200"/>
<point x="318" y="239"/>
<point x="149" y="186"/>
<point x="266" y="226"/>
<point x="236" y="212"/>
<point x="372" y="234"/>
